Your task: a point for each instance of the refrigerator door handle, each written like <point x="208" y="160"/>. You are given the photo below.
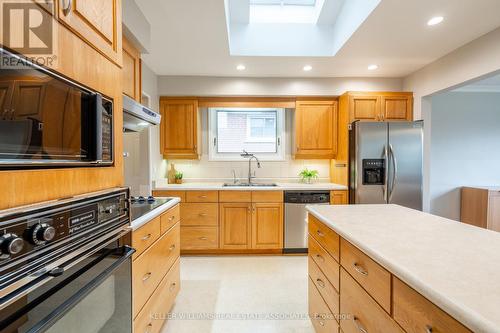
<point x="386" y="175"/>
<point x="394" y="172"/>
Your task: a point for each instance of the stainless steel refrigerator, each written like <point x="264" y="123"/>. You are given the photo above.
<point x="386" y="163"/>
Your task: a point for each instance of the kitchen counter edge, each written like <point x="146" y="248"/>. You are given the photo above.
<point x="146" y="218"/>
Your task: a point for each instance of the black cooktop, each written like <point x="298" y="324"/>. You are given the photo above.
<point x="140" y="208"/>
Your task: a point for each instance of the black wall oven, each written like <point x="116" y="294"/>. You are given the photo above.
<point x="66" y="266"/>
<point x="47" y="120"/>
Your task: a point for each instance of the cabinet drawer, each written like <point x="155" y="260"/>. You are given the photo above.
<point x="200" y="214"/>
<point x="202" y="196"/>
<point x="152" y="317"/>
<point x="235" y="196"/>
<point x="152" y="265"/>
<point x="370" y="275"/>
<point x="325" y="288"/>
<point x="168" y="193"/>
<point x="417" y="314"/>
<point x="365" y="315"/>
<point x="325" y="236"/>
<point x="146" y="235"/>
<point x="267" y="196"/>
<point x="169" y="218"/>
<point x="325" y="262"/>
<point x="198" y="238"/>
<point x="322" y="318"/>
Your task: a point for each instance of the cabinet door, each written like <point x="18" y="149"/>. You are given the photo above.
<point x="267" y="226"/>
<point x="235" y="224"/>
<point x="316" y="129"/>
<point x="397" y="108"/>
<point x="339" y="198"/>
<point x="178" y="133"/>
<point x="6" y="89"/>
<point x="364" y="108"/>
<point x="27" y="99"/>
<point x="98" y="22"/>
<point x="131" y="72"/>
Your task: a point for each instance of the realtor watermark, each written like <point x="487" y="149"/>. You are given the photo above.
<point x="29" y="30"/>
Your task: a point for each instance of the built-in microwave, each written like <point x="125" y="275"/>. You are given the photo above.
<point x="47" y="120"/>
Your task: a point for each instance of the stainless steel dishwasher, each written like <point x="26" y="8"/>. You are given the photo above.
<point x="296" y="217"/>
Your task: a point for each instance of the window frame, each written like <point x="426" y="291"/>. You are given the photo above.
<point x="213" y="155"/>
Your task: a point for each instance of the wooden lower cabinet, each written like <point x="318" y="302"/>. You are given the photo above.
<point x="199" y="238"/>
<point x="155" y="272"/>
<point x="324" y="286"/>
<point x="339" y="197"/>
<point x="235" y="225"/>
<point x="321" y="316"/>
<point x="365" y="315"/>
<point x="267" y="226"/>
<point x="154" y="314"/>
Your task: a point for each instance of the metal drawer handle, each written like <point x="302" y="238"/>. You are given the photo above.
<point x="320" y="283"/>
<point x="148" y="328"/>
<point x="172" y="247"/>
<point x="148" y="236"/>
<point x="360" y="269"/>
<point x="203" y="238"/>
<point x="428" y="329"/>
<point x="359" y="326"/>
<point x="321" y="323"/>
<point x="172" y="286"/>
<point x="67" y="7"/>
<point x="202" y="214"/>
<point x="146" y="276"/>
<point x="171" y="218"/>
<point x="202" y="196"/>
<point x="320" y="257"/>
<point x="320" y="234"/>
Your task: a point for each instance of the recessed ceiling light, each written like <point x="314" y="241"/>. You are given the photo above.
<point x="372" y="67"/>
<point x="241" y="67"/>
<point x="435" y="20"/>
<point x="307" y="68"/>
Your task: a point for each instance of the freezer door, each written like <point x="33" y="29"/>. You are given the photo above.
<point x="405" y="164"/>
<point x="368" y="141"/>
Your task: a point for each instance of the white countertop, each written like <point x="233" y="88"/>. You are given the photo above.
<point x="454" y="265"/>
<point x="139" y="222"/>
<point x="202" y="186"/>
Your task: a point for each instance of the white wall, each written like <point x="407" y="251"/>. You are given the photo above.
<point x="465" y="147"/>
<point x="231" y="86"/>
<point x="469" y="62"/>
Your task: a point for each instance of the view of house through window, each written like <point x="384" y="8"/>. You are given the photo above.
<point x="254" y="130"/>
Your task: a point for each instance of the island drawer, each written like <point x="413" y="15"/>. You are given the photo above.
<point x="321" y="317"/>
<point x="325" y="262"/>
<point x="154" y="314"/>
<point x="200" y="214"/>
<point x="325" y="288"/>
<point x="365" y="314"/>
<point x="152" y="265"/>
<point x="370" y="275"/>
<point x="202" y="196"/>
<point x="199" y="238"/>
<point x="146" y="235"/>
<point x="170" y="217"/>
<point x="325" y="236"/>
<point x="417" y="314"/>
<point x="169" y="193"/>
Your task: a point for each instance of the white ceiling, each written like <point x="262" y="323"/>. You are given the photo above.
<point x="189" y="37"/>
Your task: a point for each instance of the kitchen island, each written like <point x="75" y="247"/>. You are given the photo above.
<point x="419" y="272"/>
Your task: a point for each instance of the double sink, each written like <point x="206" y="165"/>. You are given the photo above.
<point x="250" y="184"/>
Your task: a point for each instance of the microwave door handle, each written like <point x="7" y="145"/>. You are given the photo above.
<point x="98" y="128"/>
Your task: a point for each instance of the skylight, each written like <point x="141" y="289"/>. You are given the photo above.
<point x="285" y="11"/>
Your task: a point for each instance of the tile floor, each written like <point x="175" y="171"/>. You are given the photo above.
<point x="244" y="294"/>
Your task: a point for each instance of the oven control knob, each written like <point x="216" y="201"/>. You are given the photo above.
<point x="11" y="244"/>
<point x="42" y="233"/>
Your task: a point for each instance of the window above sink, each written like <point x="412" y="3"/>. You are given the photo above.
<point x="259" y="131"/>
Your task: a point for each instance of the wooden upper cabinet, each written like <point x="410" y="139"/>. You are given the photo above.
<point x="267" y="226"/>
<point x="380" y="106"/>
<point x="98" y="22"/>
<point x="179" y="128"/>
<point x="131" y="71"/>
<point x="316" y="129"/>
<point x="235" y="225"/>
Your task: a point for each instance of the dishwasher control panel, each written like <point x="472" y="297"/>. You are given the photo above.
<point x="307" y="197"/>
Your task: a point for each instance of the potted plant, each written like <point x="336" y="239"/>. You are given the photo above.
<point x="178" y="177"/>
<point x="307" y="175"/>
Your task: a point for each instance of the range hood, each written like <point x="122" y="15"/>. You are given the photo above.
<point x="137" y="117"/>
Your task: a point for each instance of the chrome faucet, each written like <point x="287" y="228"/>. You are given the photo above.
<point x="250" y="157"/>
<point x="235" y="180"/>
